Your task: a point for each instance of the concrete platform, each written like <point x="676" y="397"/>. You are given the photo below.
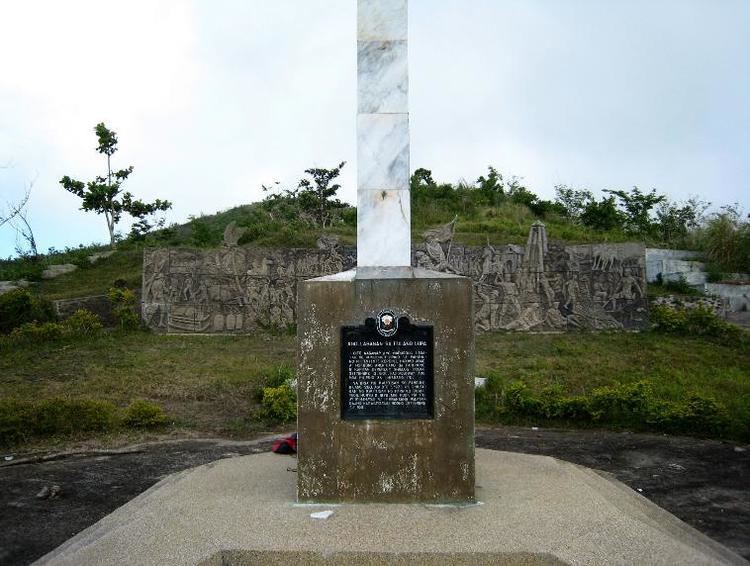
<point x="534" y="510"/>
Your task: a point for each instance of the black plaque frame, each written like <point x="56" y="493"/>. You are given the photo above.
<point x="406" y="332"/>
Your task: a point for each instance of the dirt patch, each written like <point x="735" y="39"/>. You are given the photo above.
<point x="705" y="483"/>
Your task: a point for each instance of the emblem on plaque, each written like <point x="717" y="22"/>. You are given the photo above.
<point x="387" y="323"/>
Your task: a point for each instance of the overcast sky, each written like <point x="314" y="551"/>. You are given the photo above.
<point x="212" y="99"/>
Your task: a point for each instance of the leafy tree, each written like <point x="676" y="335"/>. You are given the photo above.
<point x="637" y="207"/>
<point x="422" y="178"/>
<point x="316" y="195"/>
<point x="572" y="201"/>
<point x="312" y="199"/>
<point x="104" y="195"/>
<point x="492" y="187"/>
<point x="674" y="221"/>
<point x="602" y="215"/>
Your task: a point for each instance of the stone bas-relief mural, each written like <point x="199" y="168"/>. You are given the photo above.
<point x="231" y="289"/>
<point x="541" y="287"/>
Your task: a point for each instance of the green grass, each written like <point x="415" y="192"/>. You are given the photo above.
<point x="675" y="366"/>
<point x="204" y="383"/>
<point x="214" y="385"/>
<point x="96" y="279"/>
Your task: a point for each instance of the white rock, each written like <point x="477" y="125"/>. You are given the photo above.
<point x="56" y="270"/>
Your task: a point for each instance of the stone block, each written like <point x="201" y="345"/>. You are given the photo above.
<point x="383" y="151"/>
<point x="383" y="77"/>
<point x="379" y="459"/>
<point x="382" y="19"/>
<point x="390" y="211"/>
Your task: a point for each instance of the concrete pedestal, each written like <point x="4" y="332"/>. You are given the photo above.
<point x="385" y="460"/>
<point x="534" y="510"/>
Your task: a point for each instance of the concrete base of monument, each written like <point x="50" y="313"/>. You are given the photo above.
<point x="533" y="510"/>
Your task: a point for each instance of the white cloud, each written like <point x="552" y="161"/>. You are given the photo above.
<point x="211" y="100"/>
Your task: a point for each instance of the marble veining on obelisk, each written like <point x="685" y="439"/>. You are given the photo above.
<point x="383" y="202"/>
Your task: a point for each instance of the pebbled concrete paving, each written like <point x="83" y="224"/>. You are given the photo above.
<point x="534" y="510"/>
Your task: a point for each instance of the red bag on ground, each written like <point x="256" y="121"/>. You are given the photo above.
<point x="286" y="445"/>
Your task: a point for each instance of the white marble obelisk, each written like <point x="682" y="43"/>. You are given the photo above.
<point x="383" y="203"/>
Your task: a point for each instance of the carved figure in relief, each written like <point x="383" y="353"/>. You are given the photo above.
<point x="492" y="266"/>
<point x="510" y="305"/>
<point x="232" y="234"/>
<point x="435" y="257"/>
<point x="605" y="258"/>
<point x="604" y="287"/>
<point x="187" y="292"/>
<point x="155" y="315"/>
<point x="485" y="299"/>
<point x="333" y="259"/>
<point x="154" y="282"/>
<point x="629" y="290"/>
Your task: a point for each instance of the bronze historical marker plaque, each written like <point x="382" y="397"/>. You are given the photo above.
<point x="387" y="369"/>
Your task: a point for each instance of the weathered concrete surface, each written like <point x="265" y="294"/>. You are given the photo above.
<point x="535" y="510"/>
<point x="671" y="264"/>
<point x="737" y="296"/>
<point x="385" y="460"/>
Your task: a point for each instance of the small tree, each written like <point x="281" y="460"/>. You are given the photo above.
<point x="492" y="187"/>
<point x="104" y="195"/>
<point x="316" y="196"/>
<point x="637" y="207"/>
<point x="675" y="220"/>
<point x="313" y="198"/>
<point x="602" y="215"/>
<point x="573" y="201"/>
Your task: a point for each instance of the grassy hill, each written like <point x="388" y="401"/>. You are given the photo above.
<point x="507" y="223"/>
<point x="70" y="389"/>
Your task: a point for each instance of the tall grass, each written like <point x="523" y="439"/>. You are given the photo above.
<point x="726" y="242"/>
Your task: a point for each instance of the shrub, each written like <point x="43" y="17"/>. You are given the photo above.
<point x="19" y="307"/>
<point x="727" y="240"/>
<point x="279" y="404"/>
<point x="83" y="323"/>
<point x="622" y="403"/>
<point x="699" y="321"/>
<point x="520" y="400"/>
<point x="123" y="304"/>
<point x="143" y="414"/>
<point x="67" y="416"/>
<point x="697" y="415"/>
<point x="280" y="375"/>
<point x="681" y="287"/>
<point x="14" y="419"/>
<point x="36" y="333"/>
<point x="24" y="420"/>
<point x="21" y="420"/>
<point x="631" y="405"/>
